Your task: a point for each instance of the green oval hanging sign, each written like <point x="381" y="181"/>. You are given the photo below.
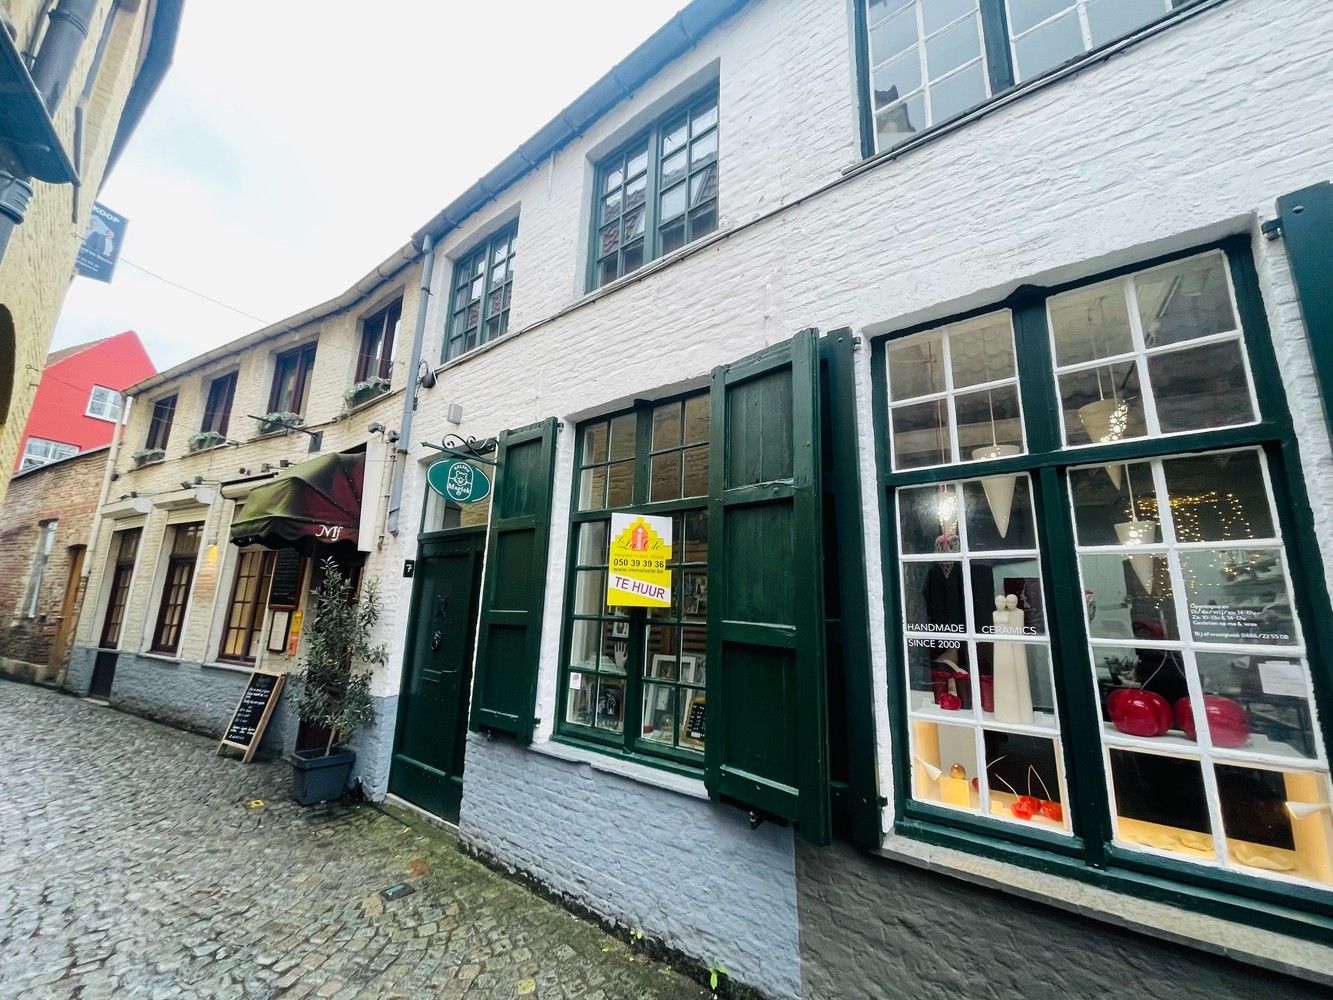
<point x="457" y="480"/>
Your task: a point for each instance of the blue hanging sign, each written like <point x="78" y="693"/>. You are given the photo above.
<point x="459" y="481"/>
<point x="101" y="243"/>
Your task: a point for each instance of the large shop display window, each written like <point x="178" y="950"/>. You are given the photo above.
<point x="1112" y="542"/>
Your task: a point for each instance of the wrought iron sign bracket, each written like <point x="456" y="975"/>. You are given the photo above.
<point x="470" y="449"/>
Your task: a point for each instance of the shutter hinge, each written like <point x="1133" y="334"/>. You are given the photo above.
<point x="1271" y="229"/>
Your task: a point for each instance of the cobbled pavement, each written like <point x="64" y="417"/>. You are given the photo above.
<point x="135" y="863"/>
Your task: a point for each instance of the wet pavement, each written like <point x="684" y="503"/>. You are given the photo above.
<point x="134" y="862"/>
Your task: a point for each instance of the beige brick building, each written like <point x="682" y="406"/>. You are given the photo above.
<point x="127" y="48"/>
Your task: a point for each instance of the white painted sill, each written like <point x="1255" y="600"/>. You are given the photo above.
<point x="174" y="661"/>
<point x="666" y="780"/>
<point x="1269" y="950"/>
<point x="235" y="668"/>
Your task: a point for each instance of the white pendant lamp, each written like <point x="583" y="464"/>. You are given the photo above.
<point x="1138" y="533"/>
<point x="1106" y="420"/>
<point x="999" y="489"/>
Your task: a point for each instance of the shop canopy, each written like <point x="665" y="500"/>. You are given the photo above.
<point x="311" y="504"/>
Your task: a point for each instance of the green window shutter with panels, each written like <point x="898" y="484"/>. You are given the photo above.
<point x="767" y="745"/>
<point x="514" y="587"/>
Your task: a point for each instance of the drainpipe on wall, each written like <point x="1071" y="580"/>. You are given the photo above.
<point x="410" y="397"/>
<point x="96" y="528"/>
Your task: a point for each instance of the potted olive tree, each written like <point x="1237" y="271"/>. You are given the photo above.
<point x="335" y="682"/>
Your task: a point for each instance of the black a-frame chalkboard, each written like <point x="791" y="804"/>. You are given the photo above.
<point x="252" y="713"/>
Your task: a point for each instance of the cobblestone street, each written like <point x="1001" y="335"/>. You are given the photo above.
<point x="135" y="863"/>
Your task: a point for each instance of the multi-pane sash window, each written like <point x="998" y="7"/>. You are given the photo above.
<point x="217" y="406"/>
<point x="38" y="452"/>
<point x="245" y="609"/>
<point x="375" y="359"/>
<point x="184" y="553"/>
<point x="634" y="678"/>
<point x="104" y="403"/>
<point x="930" y="60"/>
<point x="159" y="424"/>
<point x="1144" y="581"/>
<point x="291" y="380"/>
<point x="658" y="192"/>
<point x="482" y="288"/>
<point x="125" y="544"/>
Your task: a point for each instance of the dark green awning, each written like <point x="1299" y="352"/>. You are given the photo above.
<point x="311" y="504"/>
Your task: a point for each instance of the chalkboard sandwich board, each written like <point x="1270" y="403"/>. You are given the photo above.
<point x="252" y="713"/>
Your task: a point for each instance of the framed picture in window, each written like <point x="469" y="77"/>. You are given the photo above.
<point x="663" y="666"/>
<point x="695" y="599"/>
<point x="620" y="627"/>
<point x="692" y="668"/>
<point x="692" y="726"/>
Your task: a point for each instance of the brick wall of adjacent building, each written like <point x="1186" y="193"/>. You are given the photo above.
<point x="65" y="492"/>
<point x="39" y="263"/>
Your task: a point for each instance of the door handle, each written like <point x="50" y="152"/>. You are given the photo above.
<point x="435" y="641"/>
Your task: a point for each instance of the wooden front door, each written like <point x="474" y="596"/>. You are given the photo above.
<point x="437" y="672"/>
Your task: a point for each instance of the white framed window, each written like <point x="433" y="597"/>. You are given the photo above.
<point x="1045" y="33"/>
<point x="39" y="451"/>
<point x="104" y="404"/>
<point x="43" y="555"/>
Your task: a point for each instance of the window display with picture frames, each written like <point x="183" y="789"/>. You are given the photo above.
<point x="1105" y="619"/>
<point x="634" y="678"/>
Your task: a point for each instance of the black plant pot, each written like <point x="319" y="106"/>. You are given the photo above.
<point x="319" y="777"/>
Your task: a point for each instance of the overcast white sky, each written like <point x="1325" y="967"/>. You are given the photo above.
<point x="294" y="145"/>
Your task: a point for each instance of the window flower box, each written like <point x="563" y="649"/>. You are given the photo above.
<point x="205" y="440"/>
<point x="147" y="456"/>
<point x="271" y="423"/>
<point x="365" y="391"/>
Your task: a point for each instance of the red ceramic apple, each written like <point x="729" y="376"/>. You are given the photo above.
<point x="1228" y="722"/>
<point x="1138" y="712"/>
<point x="1020" y="809"/>
<point x="1052" y="811"/>
<point x="1031" y="803"/>
<point x="950" y="702"/>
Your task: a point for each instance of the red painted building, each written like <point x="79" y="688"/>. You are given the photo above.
<point x="79" y="400"/>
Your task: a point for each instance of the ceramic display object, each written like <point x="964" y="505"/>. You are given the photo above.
<point x="1139" y="533"/>
<point x="1137" y="712"/>
<point x="1012" y="693"/>
<point x="999" y="489"/>
<point x="1228" y="722"/>
<point x="1106" y="420"/>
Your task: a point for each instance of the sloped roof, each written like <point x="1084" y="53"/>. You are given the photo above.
<point x="69" y="352"/>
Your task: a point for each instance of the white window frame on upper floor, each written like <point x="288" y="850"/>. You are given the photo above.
<point x="97" y="407"/>
<point x="31" y="460"/>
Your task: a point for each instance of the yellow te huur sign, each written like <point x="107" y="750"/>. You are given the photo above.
<point x="637" y="574"/>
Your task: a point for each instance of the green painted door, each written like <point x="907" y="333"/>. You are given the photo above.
<point x="437" y="669"/>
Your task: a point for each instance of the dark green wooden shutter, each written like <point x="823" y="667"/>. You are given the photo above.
<point x="767" y="743"/>
<point x="509" y="633"/>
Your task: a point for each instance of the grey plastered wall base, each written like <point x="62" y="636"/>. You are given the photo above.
<point x="872" y="927"/>
<point x="687" y="873"/>
<point x="374" y="750"/>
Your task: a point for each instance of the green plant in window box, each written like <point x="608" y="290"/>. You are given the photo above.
<point x="205" y="440"/>
<point x="334" y="681"/>
<point x="147" y="456"/>
<point x="367" y="390"/>
<point x="279" y="420"/>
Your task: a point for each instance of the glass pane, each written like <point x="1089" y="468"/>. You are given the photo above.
<point x="1015" y="682"/>
<point x="1048" y="46"/>
<point x="916" y="366"/>
<point x="1110" y="19"/>
<point x="934" y="601"/>
<point x="661" y="651"/>
<point x="696" y="419"/>
<point x="1090" y="323"/>
<point x="612" y="179"/>
<point x="615" y="643"/>
<point x="1160" y="803"/>
<point x="664" y="477"/>
<point x="633" y="255"/>
<point x="635" y="192"/>
<point x="696" y="472"/>
<point x="623" y="430"/>
<point x="592" y="488"/>
<point x="893" y="35"/>
<point x="1006" y="593"/>
<point x="1201" y="388"/>
<point x="703" y="221"/>
<point x="673" y="137"/>
<point x="999" y="513"/>
<point x="609" y="241"/>
<point x="695" y="537"/>
<point x="1185" y="300"/>
<point x="1219" y="498"/>
<point x="694" y="593"/>
<point x="1238" y="596"/>
<point x="1129" y="597"/>
<point x="666" y="426"/>
<point x="594" y="443"/>
<point x="1138" y="689"/>
<point x="955" y="94"/>
<point x="1024" y="14"/>
<point x="592" y="549"/>
<point x="1277" y="821"/>
<point x="944" y="765"/>
<point x="659" y="713"/>
<point x="703" y="186"/>
<point x="673" y="201"/>
<point x="585" y="644"/>
<point x="939" y="683"/>
<point x="952" y="48"/>
<point x="897" y="78"/>
<point x="900" y="122"/>
<point x="989" y="425"/>
<point x="638" y="163"/>
<point x="611" y="206"/>
<point x="579" y="698"/>
<point x="925" y="513"/>
<point x="1103" y="404"/>
<point x="1024" y="777"/>
<point x="935" y="14"/>
<point x="693" y="654"/>
<point x="1115" y="504"/>
<point x="673" y="168"/>
<point x="692" y="718"/>
<point x="589" y="588"/>
<point x="633" y="228"/>
<point x="1258" y="703"/>
<point x="610" y="704"/>
<point x="920" y="434"/>
<point x="608" y="270"/>
<point x="620" y="484"/>
<point x="673" y="234"/>
<point x="703" y="149"/>
<point x="705" y="117"/>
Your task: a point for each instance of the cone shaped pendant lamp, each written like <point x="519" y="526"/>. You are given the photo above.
<point x="1106" y="420"/>
<point x="1139" y="533"/>
<point x="999" y="489"/>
